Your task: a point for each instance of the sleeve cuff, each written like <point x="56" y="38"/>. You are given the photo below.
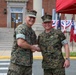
<point x="64" y="42"/>
<point x="20" y="36"/>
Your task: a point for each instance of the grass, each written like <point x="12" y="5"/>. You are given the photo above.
<point x="72" y="54"/>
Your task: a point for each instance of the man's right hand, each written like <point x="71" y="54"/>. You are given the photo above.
<point x="35" y="48"/>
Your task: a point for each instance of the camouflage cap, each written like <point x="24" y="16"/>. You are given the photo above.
<point x="32" y="13"/>
<point x="46" y="18"/>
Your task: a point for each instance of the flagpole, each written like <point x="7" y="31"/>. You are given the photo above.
<point x="59" y="22"/>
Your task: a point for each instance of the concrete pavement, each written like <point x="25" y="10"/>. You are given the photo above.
<point x="36" y="55"/>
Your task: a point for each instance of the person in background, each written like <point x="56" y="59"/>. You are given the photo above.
<point x="23" y="47"/>
<point x="50" y="42"/>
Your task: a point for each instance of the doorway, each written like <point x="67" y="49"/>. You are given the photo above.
<point x="16" y="19"/>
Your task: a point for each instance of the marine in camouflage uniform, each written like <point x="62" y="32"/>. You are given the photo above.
<point x="51" y="45"/>
<point x="22" y="58"/>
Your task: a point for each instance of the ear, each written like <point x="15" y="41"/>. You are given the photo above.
<point x="52" y="21"/>
<point x="43" y="23"/>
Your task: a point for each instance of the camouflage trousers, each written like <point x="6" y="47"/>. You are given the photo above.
<point x="19" y="70"/>
<point x="58" y="71"/>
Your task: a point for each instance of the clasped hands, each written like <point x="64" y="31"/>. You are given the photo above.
<point x="35" y="48"/>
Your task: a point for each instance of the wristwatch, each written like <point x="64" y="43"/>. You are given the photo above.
<point x="68" y="59"/>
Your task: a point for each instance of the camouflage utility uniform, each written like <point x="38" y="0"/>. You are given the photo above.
<point x="50" y="44"/>
<point x="22" y="59"/>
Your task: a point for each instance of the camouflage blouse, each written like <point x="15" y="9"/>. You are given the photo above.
<point x="20" y="55"/>
<point x="50" y="44"/>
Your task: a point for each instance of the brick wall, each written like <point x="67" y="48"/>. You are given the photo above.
<point x="48" y="5"/>
<point x="3" y="17"/>
<point x="29" y="5"/>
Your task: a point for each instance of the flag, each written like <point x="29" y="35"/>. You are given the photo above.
<point x="65" y="21"/>
<point x="54" y="23"/>
<point x="74" y="35"/>
<point x="72" y="31"/>
<point x="59" y="23"/>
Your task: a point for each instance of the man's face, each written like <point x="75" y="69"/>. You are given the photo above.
<point x="47" y="25"/>
<point x="30" y="20"/>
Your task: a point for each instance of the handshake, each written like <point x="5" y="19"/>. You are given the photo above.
<point x="35" y="48"/>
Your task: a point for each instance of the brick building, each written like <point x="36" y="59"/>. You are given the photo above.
<point x="12" y="11"/>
